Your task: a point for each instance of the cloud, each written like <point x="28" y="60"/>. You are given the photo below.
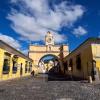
<point x="79" y="31"/>
<point x="11" y="41"/>
<point x="13" y="1"/>
<point x="36" y="17"/>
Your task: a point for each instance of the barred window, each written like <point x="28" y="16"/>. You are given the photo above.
<point x="6" y="64"/>
<point x="26" y="66"/>
<point x="15" y="63"/>
<point x="30" y="66"/>
<point x="66" y="65"/>
<point x="71" y="64"/>
<point x="78" y="62"/>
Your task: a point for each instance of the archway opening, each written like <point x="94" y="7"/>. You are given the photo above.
<point x="49" y="64"/>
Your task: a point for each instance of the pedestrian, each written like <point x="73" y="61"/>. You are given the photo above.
<point x="32" y="73"/>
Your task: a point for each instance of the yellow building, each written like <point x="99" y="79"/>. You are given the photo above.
<point x="13" y="64"/>
<point x="84" y="61"/>
<point x="37" y="52"/>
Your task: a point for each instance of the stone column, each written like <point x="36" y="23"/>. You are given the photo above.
<point x="11" y="67"/>
<point x="1" y="62"/>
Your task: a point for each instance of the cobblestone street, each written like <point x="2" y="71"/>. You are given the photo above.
<point x="30" y="88"/>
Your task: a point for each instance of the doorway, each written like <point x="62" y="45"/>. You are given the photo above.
<point x="21" y="69"/>
<point x="95" y="71"/>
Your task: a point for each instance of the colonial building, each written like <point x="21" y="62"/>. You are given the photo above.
<point x="37" y="52"/>
<point x="84" y="61"/>
<point x="13" y="63"/>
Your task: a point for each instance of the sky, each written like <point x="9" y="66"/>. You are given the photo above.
<point x="70" y="21"/>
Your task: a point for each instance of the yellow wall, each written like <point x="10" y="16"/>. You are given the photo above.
<point x="1" y="61"/>
<point x="12" y="75"/>
<point x="37" y="56"/>
<point x="44" y="48"/>
<point x="86" y="61"/>
<point x="37" y="52"/>
<point x="96" y="54"/>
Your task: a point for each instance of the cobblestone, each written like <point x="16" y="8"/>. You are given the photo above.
<point x="30" y="88"/>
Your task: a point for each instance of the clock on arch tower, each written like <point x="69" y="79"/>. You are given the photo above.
<point x="49" y="39"/>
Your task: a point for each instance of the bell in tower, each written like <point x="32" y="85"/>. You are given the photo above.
<point x="49" y="39"/>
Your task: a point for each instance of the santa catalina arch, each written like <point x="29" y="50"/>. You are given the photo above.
<point x="36" y="52"/>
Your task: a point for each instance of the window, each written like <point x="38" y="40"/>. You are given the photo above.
<point x="66" y="65"/>
<point x="94" y="67"/>
<point x="71" y="64"/>
<point x="30" y="66"/>
<point x="21" y="69"/>
<point x="6" y="65"/>
<point x="15" y="63"/>
<point x="78" y="62"/>
<point x="26" y="66"/>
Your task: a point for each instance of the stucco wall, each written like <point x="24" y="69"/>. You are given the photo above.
<point x="11" y="75"/>
<point x="96" y="54"/>
<point x="37" y="52"/>
<point x="86" y="61"/>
